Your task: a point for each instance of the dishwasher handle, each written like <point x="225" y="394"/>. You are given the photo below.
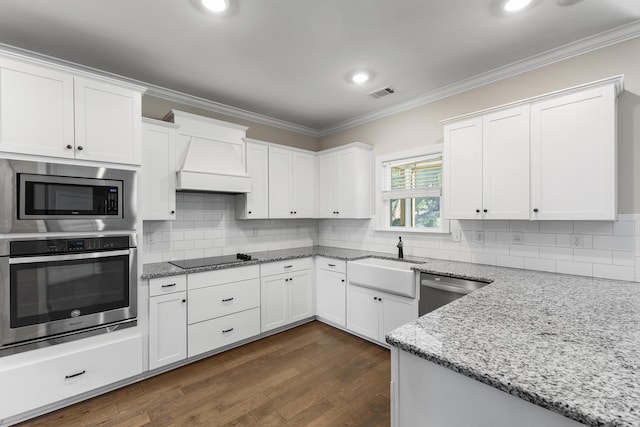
<point x="446" y="287"/>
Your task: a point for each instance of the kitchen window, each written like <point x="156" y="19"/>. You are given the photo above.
<point x="411" y="191"/>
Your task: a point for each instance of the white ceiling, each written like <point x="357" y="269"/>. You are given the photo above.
<point x="289" y="59"/>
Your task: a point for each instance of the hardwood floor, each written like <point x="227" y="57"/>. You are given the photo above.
<point x="313" y="375"/>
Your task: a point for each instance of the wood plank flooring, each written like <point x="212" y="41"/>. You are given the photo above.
<point x="312" y="375"/>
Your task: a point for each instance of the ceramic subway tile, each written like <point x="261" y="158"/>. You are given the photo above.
<point x="524" y="226"/>
<point x="624" y="258"/>
<point x="496" y="226"/>
<point x="593" y="256"/>
<point x="563" y="240"/>
<point x="524" y="250"/>
<point x="574" y="267"/>
<point x="510" y="261"/>
<point x="540" y="264"/>
<point x="565" y="254"/>
<point x="496" y="249"/>
<point x="623" y="228"/>
<point x="593" y="227"/>
<point x="540" y="239"/>
<point x="460" y="256"/>
<point x="556" y="227"/>
<point x="619" y="243"/>
<point x="617" y="272"/>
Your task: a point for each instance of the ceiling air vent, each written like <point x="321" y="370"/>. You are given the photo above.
<point x="382" y="92"/>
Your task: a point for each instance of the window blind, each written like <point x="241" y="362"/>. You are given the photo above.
<point x="419" y="178"/>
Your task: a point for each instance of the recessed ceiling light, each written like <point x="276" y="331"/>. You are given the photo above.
<point x="515" y="5"/>
<point x="360" y="77"/>
<point x="215" y="6"/>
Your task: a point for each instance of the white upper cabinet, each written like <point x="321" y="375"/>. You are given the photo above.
<point x="36" y="110"/>
<point x="255" y="205"/>
<point x="344" y="182"/>
<point x="107" y="121"/>
<point x="47" y="111"/>
<point x="573" y="156"/>
<point x="291" y="183"/>
<point x="486" y="166"/>
<point x="157" y="195"/>
<point x="552" y="157"/>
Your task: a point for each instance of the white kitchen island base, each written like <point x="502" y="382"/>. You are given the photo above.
<point x="429" y="395"/>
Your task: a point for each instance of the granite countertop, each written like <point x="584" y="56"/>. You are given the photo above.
<point x="567" y="343"/>
<point x="164" y="269"/>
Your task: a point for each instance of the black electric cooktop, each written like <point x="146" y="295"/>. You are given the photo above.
<point x="216" y="260"/>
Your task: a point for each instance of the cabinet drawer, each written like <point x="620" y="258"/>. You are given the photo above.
<point x="167" y="285"/>
<point x="272" y="268"/>
<point x="331" y="264"/>
<point x="216" y="333"/>
<point x="37" y="384"/>
<point x="217" y="301"/>
<point x="218" y="277"/>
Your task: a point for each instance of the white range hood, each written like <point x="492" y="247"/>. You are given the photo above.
<point x="214" y="155"/>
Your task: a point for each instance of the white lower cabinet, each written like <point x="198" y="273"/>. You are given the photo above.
<point x="331" y="291"/>
<point x="372" y="314"/>
<point x="167" y="320"/>
<point x="31" y="385"/>
<point x="286" y="293"/>
<point x="224" y="308"/>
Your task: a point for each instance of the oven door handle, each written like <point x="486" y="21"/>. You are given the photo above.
<point x="70" y="257"/>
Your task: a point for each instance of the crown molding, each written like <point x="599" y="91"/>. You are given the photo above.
<point x="227" y="110"/>
<point x="588" y="44"/>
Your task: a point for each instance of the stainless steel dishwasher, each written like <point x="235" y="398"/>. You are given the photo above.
<point x="436" y="290"/>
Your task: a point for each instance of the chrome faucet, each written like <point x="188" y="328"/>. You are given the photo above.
<point x="399" y="246"/>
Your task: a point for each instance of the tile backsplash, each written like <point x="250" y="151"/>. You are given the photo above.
<point x="206" y="226"/>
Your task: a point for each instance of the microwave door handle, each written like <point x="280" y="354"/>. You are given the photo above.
<point x="69" y="257"/>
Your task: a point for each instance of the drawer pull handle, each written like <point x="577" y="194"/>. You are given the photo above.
<point x="170" y="285"/>
<point x="331" y="265"/>
<point x="227" y="299"/>
<point x="288" y="266"/>
<point x="75" y="375"/>
<point x="227" y="331"/>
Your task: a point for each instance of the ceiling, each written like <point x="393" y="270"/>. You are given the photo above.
<point x="290" y="59"/>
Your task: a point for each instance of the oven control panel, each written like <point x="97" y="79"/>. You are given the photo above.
<point x="59" y="246"/>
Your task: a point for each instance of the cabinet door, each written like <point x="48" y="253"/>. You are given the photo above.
<point x="331" y="296"/>
<point x="327" y="188"/>
<point x="257" y="201"/>
<point x="396" y="312"/>
<point x="300" y="296"/>
<point x="273" y="297"/>
<point x="158" y="173"/>
<point x="280" y="184"/>
<point x="346" y="188"/>
<point x="167" y="329"/>
<point x="363" y="312"/>
<point x="573" y="156"/>
<point x="36" y="110"/>
<point x="462" y="173"/>
<point x="505" y="164"/>
<point x="304" y="189"/>
<point x="107" y="122"/>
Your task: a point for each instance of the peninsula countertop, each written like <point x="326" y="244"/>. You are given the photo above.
<point x="567" y="343"/>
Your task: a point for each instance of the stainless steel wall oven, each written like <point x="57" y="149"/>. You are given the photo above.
<point x="52" y="289"/>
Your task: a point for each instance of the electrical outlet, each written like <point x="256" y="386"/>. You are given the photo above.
<point x="577" y="241"/>
<point x="517" y="238"/>
<point x="478" y="236"/>
<point x="455" y="235"/>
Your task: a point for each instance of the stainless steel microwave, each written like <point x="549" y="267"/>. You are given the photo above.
<point x="47" y="197"/>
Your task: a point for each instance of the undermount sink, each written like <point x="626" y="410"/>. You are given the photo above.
<point x="387" y="275"/>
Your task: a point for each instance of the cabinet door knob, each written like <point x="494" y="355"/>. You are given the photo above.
<point x="342" y="280"/>
<point x="535" y="210"/>
<point x="484" y="210"/>
<point x="249" y="212"/>
<point x="80" y="148"/>
<point x="477" y="210"/>
<point x="173" y="212"/>
<point x="69" y="146"/>
<point x="184" y="300"/>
